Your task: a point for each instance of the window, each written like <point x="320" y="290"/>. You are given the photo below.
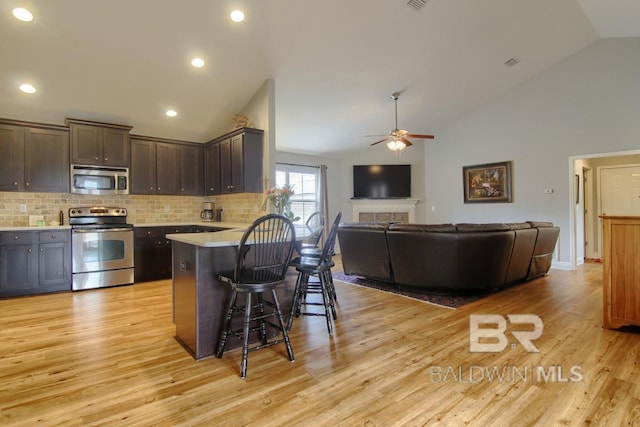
<point x="305" y="181"/>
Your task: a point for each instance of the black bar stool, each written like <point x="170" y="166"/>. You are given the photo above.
<point x="263" y="257"/>
<point x="320" y="266"/>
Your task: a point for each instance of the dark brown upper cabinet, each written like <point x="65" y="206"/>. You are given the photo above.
<point x="239" y="169"/>
<point x="35" y="157"/>
<point x="99" y="144"/>
<point x="212" y="170"/>
<point x="160" y="166"/>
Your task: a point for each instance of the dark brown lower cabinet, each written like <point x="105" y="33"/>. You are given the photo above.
<point x="34" y="262"/>
<point x="152" y="251"/>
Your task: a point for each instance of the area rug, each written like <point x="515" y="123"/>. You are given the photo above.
<point x="448" y="301"/>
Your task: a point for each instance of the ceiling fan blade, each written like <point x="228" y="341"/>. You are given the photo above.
<point x="406" y="141"/>
<point x="417" y="135"/>
<point x="378" y="142"/>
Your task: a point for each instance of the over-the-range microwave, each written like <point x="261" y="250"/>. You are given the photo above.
<point x="87" y="179"/>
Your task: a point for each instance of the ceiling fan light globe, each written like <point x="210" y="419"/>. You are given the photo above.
<point x="394" y="145"/>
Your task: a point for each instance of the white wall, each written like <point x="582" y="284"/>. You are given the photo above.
<point x="380" y="155"/>
<point x="587" y="104"/>
<point x="261" y="113"/>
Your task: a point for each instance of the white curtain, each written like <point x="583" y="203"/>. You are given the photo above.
<point x="324" y="202"/>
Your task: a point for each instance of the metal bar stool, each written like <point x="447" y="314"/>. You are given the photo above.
<point x="263" y="257"/>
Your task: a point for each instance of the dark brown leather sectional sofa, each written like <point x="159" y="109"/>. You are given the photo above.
<point x="448" y="258"/>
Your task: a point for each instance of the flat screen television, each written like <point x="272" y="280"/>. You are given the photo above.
<point x="381" y="181"/>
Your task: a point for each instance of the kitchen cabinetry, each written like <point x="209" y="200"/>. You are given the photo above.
<point x="99" y="144"/>
<point x="33" y="158"/>
<point x="152" y="251"/>
<point x="143" y="166"/>
<point x="240" y="162"/>
<point x="191" y="171"/>
<point x="621" y="271"/>
<point x="212" y="169"/>
<point x="167" y="168"/>
<point x="159" y="167"/>
<point x="34" y="262"/>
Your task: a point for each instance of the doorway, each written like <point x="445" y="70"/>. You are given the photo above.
<point x="585" y="200"/>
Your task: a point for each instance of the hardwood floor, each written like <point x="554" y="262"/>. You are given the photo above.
<point x="108" y="357"/>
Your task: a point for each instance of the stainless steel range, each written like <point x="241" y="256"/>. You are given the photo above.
<point x="101" y="246"/>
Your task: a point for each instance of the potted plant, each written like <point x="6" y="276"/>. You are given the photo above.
<point x="280" y="199"/>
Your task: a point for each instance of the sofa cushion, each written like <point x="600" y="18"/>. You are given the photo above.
<point x="432" y="228"/>
<point x="519" y="225"/>
<point x="365" y="225"/>
<point x="543" y="251"/>
<point x="364" y="250"/>
<point x="474" y="228"/>
<point x="539" y="224"/>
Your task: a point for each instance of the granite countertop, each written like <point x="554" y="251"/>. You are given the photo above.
<point x="225" y="238"/>
<point x="213" y="224"/>
<point x="229" y="225"/>
<point x="36" y="228"/>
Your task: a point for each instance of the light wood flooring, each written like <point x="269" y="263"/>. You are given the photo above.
<point x="108" y="357"/>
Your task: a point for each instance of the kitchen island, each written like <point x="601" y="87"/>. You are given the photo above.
<point x="199" y="299"/>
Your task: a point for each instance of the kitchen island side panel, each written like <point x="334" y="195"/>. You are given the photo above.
<point x="201" y="300"/>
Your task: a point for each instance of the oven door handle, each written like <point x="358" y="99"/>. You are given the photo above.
<point x="100" y="230"/>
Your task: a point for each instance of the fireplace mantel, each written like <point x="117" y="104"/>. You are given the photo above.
<point x="384" y="210"/>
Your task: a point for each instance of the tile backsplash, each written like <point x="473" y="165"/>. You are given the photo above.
<point x="243" y="208"/>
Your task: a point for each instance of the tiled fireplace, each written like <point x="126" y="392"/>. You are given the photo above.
<point x="384" y="210"/>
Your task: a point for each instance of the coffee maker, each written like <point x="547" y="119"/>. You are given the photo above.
<point x="207" y="211"/>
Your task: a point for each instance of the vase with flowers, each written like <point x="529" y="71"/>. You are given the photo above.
<point x="280" y="199"/>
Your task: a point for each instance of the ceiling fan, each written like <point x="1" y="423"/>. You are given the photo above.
<point x="398" y="139"/>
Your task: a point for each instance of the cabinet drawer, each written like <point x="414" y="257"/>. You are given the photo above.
<point x="17" y="238"/>
<point x="54" y="236"/>
<point x="178" y="229"/>
<point x="147" y="232"/>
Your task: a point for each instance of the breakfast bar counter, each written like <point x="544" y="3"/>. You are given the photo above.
<point x="199" y="299"/>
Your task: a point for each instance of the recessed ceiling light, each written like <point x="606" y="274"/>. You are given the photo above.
<point x="237" y="16"/>
<point x="22" y="14"/>
<point x="171" y="113"/>
<point x="197" y="62"/>
<point x="27" y="88"/>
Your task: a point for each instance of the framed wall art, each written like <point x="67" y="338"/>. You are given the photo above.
<point x="487" y="183"/>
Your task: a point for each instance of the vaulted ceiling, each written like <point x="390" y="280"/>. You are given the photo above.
<point x="335" y="63"/>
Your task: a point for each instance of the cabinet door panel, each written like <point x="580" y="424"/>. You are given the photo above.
<point x="143" y="167"/>
<point x="212" y="170"/>
<point x="46" y="160"/>
<point x="115" y="147"/>
<point x="85" y="144"/>
<point x="237" y="164"/>
<point x="19" y="269"/>
<point x="168" y="165"/>
<point x="12" y="158"/>
<point x="225" y="167"/>
<point x="54" y="265"/>
<point x="149" y="250"/>
<point x="191" y="171"/>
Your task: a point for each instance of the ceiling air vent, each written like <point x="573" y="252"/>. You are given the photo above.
<point x="417" y="4"/>
<point x="511" y="62"/>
